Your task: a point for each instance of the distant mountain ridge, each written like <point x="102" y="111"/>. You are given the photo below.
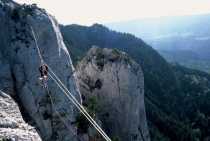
<point x="172" y="35"/>
<point x="197" y="26"/>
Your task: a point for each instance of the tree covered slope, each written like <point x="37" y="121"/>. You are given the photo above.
<point x="167" y="87"/>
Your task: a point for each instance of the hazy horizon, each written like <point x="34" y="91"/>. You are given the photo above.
<point x="95" y="11"/>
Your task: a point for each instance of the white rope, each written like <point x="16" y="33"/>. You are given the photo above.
<point x="69" y="95"/>
<point x="36" y="44"/>
<point x="79" y="106"/>
<point x="59" y="115"/>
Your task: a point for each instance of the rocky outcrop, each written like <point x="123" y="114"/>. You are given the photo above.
<point x="12" y="125"/>
<point x="112" y="87"/>
<point x="19" y="63"/>
<point x="111" y="83"/>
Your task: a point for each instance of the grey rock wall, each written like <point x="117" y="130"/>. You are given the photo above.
<point x="19" y="63"/>
<point x="12" y="125"/>
<point x="117" y="83"/>
<point x="110" y="76"/>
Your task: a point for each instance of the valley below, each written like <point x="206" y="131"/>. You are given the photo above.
<point x="134" y="88"/>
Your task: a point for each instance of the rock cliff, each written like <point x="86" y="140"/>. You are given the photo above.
<point x="12" y="125"/>
<point x="112" y="87"/>
<point x="112" y="84"/>
<point x="19" y="63"/>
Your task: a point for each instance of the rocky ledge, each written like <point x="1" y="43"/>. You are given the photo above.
<point x="12" y="125"/>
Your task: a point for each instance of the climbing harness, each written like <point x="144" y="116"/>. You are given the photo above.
<point x="68" y="94"/>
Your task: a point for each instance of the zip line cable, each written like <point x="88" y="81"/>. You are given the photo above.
<point x="69" y="95"/>
<point x="36" y="44"/>
<point x="79" y="106"/>
<point x="59" y="115"/>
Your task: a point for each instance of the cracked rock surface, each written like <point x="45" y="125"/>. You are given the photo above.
<point x="19" y="73"/>
<point x="117" y="84"/>
<point x="12" y="125"/>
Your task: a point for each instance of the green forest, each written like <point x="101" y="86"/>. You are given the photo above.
<point x="176" y="97"/>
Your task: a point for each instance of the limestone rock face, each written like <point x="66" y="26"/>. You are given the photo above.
<point x="112" y="84"/>
<point x="6" y="80"/>
<point x="12" y="125"/>
<point x="19" y="63"/>
<point x="117" y="84"/>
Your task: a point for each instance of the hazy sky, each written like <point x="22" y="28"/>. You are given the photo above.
<point x="87" y="12"/>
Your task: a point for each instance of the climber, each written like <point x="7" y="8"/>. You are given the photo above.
<point x="43" y="69"/>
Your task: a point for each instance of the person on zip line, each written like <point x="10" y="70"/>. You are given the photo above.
<point x="43" y="69"/>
